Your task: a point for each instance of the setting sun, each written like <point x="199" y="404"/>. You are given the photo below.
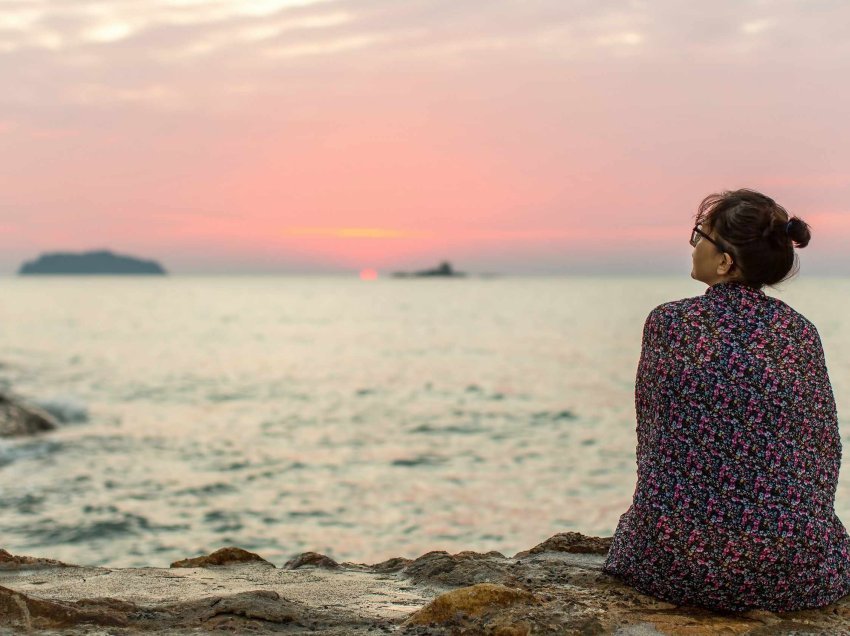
<point x="368" y="274"/>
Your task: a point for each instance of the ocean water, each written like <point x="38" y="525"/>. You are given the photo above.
<point x="363" y="420"/>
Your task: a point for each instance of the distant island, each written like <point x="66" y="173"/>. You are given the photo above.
<point x="444" y="269"/>
<point x="97" y="262"/>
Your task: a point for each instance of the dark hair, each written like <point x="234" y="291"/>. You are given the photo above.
<point x="758" y="233"/>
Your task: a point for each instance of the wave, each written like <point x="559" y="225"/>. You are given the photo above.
<point x="12" y="450"/>
<point x="65" y="408"/>
<point x="51" y="532"/>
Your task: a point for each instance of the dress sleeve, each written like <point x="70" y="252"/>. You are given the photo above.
<point x="650" y="398"/>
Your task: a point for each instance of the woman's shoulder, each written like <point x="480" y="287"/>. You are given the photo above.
<point x="678" y="309"/>
<point x="692" y="311"/>
<point x="787" y="317"/>
<point x="671" y="315"/>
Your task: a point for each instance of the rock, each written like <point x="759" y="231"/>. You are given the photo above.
<point x="18" y="418"/>
<point x="573" y="542"/>
<point x="250" y="599"/>
<point x="551" y="592"/>
<point x="471" y="602"/>
<point x="311" y="558"/>
<point x="391" y="565"/>
<point x="13" y="562"/>
<point x="20" y="610"/>
<point x="245" y="611"/>
<point x="464" y="568"/>
<point x="224" y="556"/>
<point x="233" y="612"/>
<point x="763" y="616"/>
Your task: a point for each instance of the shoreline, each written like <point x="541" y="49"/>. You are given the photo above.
<point x="557" y="587"/>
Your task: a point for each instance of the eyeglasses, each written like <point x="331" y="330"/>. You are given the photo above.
<point x="697" y="235"/>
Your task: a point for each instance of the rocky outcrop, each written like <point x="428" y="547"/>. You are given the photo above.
<point x="224" y="556"/>
<point x="471" y="602"/>
<point x="17" y="418"/>
<point x="13" y="562"/>
<point x="259" y="610"/>
<point x="311" y="558"/>
<point x="246" y="611"/>
<point x="22" y="611"/>
<point x="558" y="587"/>
<point x="574" y="542"/>
<point x="463" y="568"/>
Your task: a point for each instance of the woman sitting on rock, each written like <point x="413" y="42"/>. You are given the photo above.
<point x="738" y="447"/>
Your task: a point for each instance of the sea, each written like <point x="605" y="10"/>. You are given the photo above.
<point x="360" y="419"/>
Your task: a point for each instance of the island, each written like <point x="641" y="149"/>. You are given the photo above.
<point x="443" y="270"/>
<point x="96" y="262"/>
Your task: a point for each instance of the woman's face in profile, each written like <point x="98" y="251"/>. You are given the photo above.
<point x="706" y="259"/>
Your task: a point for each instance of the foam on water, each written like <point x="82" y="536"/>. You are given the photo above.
<point x="65" y="408"/>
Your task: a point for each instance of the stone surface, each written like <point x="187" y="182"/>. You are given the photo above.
<point x="21" y="610"/>
<point x="472" y="601"/>
<point x="17" y="418"/>
<point x="391" y="565"/>
<point x="463" y="568"/>
<point x="224" y="556"/>
<point x="311" y="558"/>
<point x="13" y="562"/>
<point x="574" y="542"/>
<point x="557" y="589"/>
<point x="257" y="608"/>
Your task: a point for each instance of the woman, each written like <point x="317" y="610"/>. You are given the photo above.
<point x="738" y="447"/>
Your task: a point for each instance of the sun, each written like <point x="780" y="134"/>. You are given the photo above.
<point x="368" y="274"/>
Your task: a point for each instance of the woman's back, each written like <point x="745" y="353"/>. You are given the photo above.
<point x="738" y="458"/>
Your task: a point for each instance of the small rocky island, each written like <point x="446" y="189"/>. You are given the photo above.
<point x="102" y="262"/>
<point x="555" y="588"/>
<point x="443" y="270"/>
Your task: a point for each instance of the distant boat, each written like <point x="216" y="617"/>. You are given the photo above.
<point x="101" y="262"/>
<point x="443" y="270"/>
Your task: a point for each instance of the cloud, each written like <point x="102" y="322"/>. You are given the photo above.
<point x="534" y="235"/>
<point x="325" y="47"/>
<point x="158" y="52"/>
<point x="754" y="27"/>
<point x="108" y="32"/>
<point x="155" y="95"/>
<point x="356" y="232"/>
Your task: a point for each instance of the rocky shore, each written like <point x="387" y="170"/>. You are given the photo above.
<point x="19" y="419"/>
<point x="556" y="587"/>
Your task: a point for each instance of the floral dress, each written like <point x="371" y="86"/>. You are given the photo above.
<point x="738" y="454"/>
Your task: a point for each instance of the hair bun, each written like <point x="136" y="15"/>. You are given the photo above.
<point x="798" y="231"/>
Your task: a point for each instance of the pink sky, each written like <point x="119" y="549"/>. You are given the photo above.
<point x="331" y="135"/>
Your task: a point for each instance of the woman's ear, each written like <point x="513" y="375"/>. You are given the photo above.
<point x="725" y="265"/>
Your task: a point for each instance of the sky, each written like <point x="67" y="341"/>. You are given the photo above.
<point x="515" y="136"/>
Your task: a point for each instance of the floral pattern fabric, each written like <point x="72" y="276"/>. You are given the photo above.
<point x="738" y="453"/>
